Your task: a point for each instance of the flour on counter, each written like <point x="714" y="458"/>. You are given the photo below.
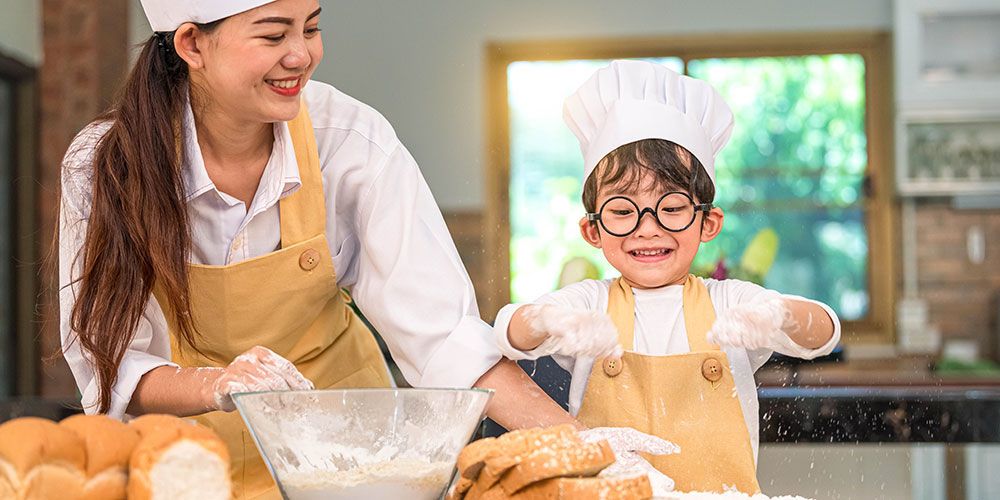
<point x="391" y="480"/>
<point x="724" y="496"/>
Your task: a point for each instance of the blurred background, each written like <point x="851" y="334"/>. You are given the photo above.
<point x="864" y="171"/>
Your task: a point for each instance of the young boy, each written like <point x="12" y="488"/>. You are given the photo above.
<point x="649" y="138"/>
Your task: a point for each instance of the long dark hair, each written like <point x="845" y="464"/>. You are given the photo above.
<point x="138" y="233"/>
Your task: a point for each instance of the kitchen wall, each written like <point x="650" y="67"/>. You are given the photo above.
<point x="962" y="292"/>
<point x="21" y="31"/>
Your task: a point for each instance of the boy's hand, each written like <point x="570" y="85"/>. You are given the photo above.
<point x="572" y="332"/>
<point x="753" y="326"/>
<point x="626" y="442"/>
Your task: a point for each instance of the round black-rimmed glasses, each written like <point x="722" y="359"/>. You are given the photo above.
<point x="675" y="212"/>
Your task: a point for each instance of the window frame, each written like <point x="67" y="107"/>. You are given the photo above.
<point x="880" y="207"/>
<point x="24" y="224"/>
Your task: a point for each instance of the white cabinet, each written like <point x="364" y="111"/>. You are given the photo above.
<point x="947" y="56"/>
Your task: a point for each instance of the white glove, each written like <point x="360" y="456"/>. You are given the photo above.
<point x="574" y="332"/>
<point x="753" y="326"/>
<point x="626" y="442"/>
<point x="258" y="369"/>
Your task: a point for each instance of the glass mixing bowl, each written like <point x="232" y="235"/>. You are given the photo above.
<point x="372" y="444"/>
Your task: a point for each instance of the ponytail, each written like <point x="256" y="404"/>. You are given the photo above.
<point x="138" y="231"/>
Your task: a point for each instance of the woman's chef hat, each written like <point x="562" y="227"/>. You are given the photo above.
<point x="628" y="101"/>
<point x="168" y="15"/>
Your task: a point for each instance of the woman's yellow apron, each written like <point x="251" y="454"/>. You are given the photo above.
<point x="287" y="301"/>
<point x="689" y="399"/>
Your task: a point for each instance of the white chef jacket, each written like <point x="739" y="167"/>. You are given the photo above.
<point x="389" y="243"/>
<point x="660" y="331"/>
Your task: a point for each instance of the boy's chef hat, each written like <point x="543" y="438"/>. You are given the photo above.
<point x="628" y="101"/>
<point x="168" y="15"/>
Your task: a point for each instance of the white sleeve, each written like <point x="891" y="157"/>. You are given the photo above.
<point x="742" y="292"/>
<point x="149" y="349"/>
<point x="584" y="295"/>
<point x="411" y="283"/>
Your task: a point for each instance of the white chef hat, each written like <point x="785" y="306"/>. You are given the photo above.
<point x="628" y="101"/>
<point x="168" y="15"/>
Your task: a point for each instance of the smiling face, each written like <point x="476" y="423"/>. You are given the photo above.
<point x="254" y="64"/>
<point x="650" y="257"/>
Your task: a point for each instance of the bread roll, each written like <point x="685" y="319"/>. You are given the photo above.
<point x="156" y="423"/>
<point x="109" y="444"/>
<point x="175" y="460"/>
<point x="41" y="460"/>
<point x="6" y="490"/>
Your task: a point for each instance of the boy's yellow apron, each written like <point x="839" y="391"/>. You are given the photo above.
<point x="287" y="301"/>
<point x="689" y="399"/>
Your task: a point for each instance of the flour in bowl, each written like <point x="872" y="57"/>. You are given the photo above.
<point x="389" y="480"/>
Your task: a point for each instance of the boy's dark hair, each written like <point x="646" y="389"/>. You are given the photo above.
<point x="666" y="160"/>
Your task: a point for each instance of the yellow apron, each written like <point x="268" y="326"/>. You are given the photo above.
<point x="689" y="399"/>
<point x="287" y="301"/>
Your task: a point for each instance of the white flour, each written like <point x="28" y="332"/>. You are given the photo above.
<point x="390" y="480"/>
<point x="724" y="496"/>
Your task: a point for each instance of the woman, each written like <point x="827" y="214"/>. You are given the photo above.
<point x="210" y="219"/>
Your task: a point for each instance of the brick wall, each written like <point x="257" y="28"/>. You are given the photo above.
<point x="961" y="295"/>
<point x="85" y="45"/>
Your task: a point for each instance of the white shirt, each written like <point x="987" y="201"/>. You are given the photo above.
<point x="660" y="331"/>
<point x="389" y="243"/>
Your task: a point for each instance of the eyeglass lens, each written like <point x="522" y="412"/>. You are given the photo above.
<point x="674" y="211"/>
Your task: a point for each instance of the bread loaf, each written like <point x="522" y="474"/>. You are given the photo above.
<point x="579" y="488"/>
<point x="176" y="460"/>
<point x="542" y="464"/>
<point x="559" y="460"/>
<point x="108" y="444"/>
<point x="488" y="459"/>
<point x="39" y="460"/>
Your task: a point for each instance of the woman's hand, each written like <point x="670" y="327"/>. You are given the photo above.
<point x="626" y="442"/>
<point x="563" y="330"/>
<point x="258" y="369"/>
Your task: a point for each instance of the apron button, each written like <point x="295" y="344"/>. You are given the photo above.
<point x="711" y="369"/>
<point x="612" y="367"/>
<point x="309" y="259"/>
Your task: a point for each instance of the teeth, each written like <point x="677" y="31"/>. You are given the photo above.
<point x="649" y="252"/>
<point x="283" y="84"/>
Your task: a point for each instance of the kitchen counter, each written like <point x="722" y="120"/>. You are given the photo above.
<point x="903" y="371"/>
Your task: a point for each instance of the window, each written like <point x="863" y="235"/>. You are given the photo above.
<point x="18" y="253"/>
<point x="804" y="174"/>
<point x="6" y="241"/>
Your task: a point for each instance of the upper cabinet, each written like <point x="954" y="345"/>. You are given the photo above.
<point x="947" y="96"/>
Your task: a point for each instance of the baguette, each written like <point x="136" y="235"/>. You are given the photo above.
<point x="108" y="444"/>
<point x="178" y="461"/>
<point x="582" y="460"/>
<point x="41" y="460"/>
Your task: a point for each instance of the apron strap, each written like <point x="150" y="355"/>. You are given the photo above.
<point x="699" y="313"/>
<point x="303" y="213"/>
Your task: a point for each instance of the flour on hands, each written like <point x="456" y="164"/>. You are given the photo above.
<point x="574" y="332"/>
<point x="258" y="369"/>
<point x="751" y="326"/>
